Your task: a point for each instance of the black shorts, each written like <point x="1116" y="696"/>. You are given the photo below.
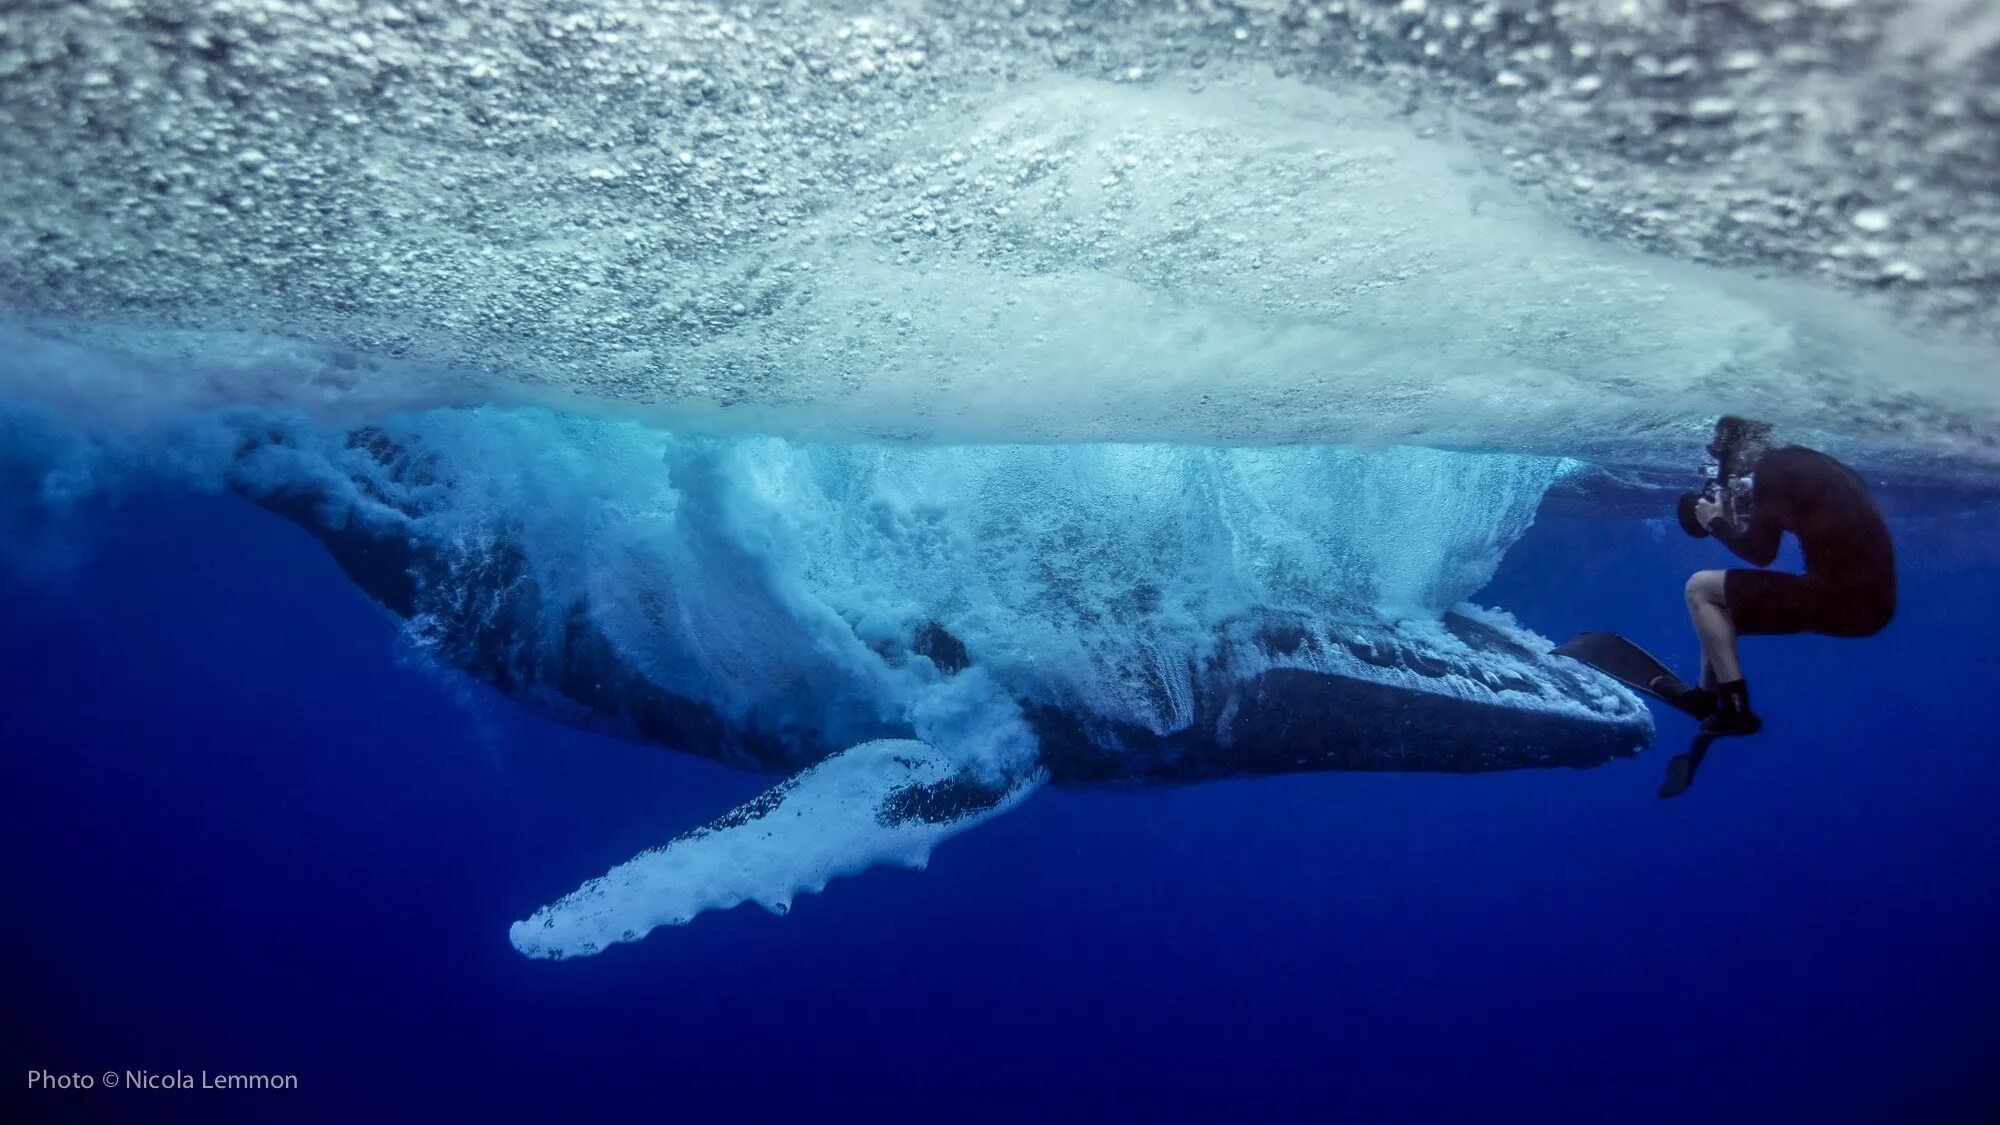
<point x="1766" y="602"/>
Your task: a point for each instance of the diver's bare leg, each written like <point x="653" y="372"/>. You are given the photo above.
<point x="1709" y="611"/>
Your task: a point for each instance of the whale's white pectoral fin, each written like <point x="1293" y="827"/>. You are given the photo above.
<point x="879" y="803"/>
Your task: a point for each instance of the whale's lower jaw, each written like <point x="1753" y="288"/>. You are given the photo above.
<point x="1280" y="693"/>
<point x="1289" y="720"/>
<point x="1474" y="697"/>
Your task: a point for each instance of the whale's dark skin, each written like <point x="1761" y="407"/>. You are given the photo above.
<point x="1278" y="720"/>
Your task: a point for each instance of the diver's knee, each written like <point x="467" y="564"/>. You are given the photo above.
<point x="1704" y="586"/>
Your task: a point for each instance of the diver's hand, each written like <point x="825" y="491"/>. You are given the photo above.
<point x="1707" y="510"/>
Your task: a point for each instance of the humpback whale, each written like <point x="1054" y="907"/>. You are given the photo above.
<point x="1263" y="689"/>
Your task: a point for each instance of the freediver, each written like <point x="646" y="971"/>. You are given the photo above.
<point x="1755" y="493"/>
<point x="1758" y="492"/>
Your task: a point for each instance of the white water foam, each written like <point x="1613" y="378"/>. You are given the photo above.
<point x="769" y="578"/>
<point x="1038" y="221"/>
<point x="829" y="821"/>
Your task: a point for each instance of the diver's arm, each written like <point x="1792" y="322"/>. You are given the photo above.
<point x="1756" y="544"/>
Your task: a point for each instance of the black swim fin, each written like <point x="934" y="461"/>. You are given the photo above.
<point x="1680" y="771"/>
<point x="1637" y="669"/>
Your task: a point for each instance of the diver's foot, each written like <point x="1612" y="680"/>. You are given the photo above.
<point x="1699" y="702"/>
<point x="1732" y="721"/>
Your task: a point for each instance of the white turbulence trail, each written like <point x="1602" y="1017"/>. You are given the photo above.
<point x="766" y="578"/>
<point x="780" y="583"/>
<point x="860" y="808"/>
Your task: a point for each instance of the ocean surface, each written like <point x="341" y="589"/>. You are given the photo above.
<point x="982" y="561"/>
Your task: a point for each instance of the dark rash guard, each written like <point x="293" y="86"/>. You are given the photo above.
<point x="1849" y="587"/>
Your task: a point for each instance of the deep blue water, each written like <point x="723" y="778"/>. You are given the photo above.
<point x="245" y="832"/>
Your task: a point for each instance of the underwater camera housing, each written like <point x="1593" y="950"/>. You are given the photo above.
<point x="1734" y="498"/>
